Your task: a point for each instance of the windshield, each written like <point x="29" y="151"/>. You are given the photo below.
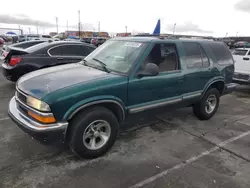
<point x="239" y="52"/>
<point x="117" y="56"/>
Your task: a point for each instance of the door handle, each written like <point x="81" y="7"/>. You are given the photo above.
<point x="245" y="58"/>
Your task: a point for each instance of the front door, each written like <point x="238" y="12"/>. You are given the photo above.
<point x="155" y="91"/>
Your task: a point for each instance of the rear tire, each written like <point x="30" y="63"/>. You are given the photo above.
<point x="93" y="132"/>
<point x="207" y="107"/>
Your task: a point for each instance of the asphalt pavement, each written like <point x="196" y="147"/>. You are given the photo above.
<point x="168" y="149"/>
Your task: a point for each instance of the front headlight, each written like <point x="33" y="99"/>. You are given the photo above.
<point x="37" y="104"/>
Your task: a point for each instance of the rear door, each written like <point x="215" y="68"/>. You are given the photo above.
<point x="198" y="71"/>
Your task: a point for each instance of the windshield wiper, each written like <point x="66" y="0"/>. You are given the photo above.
<point x="102" y="64"/>
<point x="84" y="62"/>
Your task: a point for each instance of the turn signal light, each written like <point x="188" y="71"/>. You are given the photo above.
<point x="43" y="119"/>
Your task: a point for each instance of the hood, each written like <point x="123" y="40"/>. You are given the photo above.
<point x="44" y="81"/>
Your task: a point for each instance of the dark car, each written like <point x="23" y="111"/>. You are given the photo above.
<point x="23" y="45"/>
<point x="128" y="75"/>
<point x="47" y="54"/>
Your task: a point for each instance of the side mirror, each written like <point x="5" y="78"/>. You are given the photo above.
<point x="150" y="69"/>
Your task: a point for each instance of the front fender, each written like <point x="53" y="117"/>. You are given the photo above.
<point x="93" y="101"/>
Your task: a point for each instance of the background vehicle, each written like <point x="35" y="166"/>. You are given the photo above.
<point x="124" y="76"/>
<point x="86" y="40"/>
<point x="21" y="61"/>
<point x="22" y="45"/>
<point x="1" y="41"/>
<point x="242" y="65"/>
<point x="98" y="41"/>
<point x="242" y="44"/>
<point x="29" y="37"/>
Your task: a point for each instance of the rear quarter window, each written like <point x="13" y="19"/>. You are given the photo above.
<point x="221" y="53"/>
<point x="239" y="52"/>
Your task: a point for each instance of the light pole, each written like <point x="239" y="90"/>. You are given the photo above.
<point x="226" y="34"/>
<point x="67" y="25"/>
<point x="99" y="28"/>
<point x="126" y="29"/>
<point x="174" y="29"/>
<point x="57" y="25"/>
<point x="79" y="23"/>
<point x="37" y="27"/>
<point x="237" y="34"/>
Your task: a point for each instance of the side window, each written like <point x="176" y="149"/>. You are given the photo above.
<point x="66" y="50"/>
<point x="221" y="53"/>
<point x="205" y="61"/>
<point x="248" y="52"/>
<point x="57" y="51"/>
<point x="85" y="50"/>
<point x="192" y="54"/>
<point x="165" y="56"/>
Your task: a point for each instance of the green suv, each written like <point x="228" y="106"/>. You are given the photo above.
<point x="83" y="105"/>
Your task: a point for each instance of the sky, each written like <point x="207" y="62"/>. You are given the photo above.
<point x="197" y="17"/>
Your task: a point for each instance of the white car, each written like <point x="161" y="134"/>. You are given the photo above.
<point x="242" y="65"/>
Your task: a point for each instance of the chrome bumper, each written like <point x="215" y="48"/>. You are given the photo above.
<point x="27" y="123"/>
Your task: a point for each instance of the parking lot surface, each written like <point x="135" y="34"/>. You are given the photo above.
<point x="168" y="149"/>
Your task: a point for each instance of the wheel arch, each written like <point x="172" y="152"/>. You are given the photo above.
<point x="218" y="83"/>
<point x="113" y="104"/>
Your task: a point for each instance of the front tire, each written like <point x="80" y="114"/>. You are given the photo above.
<point x="93" y="132"/>
<point x="208" y="105"/>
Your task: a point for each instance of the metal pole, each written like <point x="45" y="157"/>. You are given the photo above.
<point x="99" y="28"/>
<point x="126" y="29"/>
<point x="37" y="28"/>
<point x="79" y="25"/>
<point x="67" y="25"/>
<point x="57" y="25"/>
<point x="29" y="31"/>
<point x="237" y="34"/>
<point x="174" y="29"/>
<point x="226" y="34"/>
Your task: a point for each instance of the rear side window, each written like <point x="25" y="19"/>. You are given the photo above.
<point x="29" y="44"/>
<point x="70" y="50"/>
<point x="192" y="54"/>
<point x="85" y="50"/>
<point x="222" y="54"/>
<point x="239" y="52"/>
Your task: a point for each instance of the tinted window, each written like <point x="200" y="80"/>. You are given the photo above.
<point x="221" y="53"/>
<point x="28" y="44"/>
<point x="70" y="50"/>
<point x="85" y="50"/>
<point x="192" y="54"/>
<point x="37" y="47"/>
<point x="205" y="61"/>
<point x="239" y="52"/>
<point x="46" y="36"/>
<point x="165" y="56"/>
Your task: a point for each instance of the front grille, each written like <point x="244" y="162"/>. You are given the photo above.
<point x="241" y="76"/>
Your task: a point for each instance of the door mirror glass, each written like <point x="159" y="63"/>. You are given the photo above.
<point x="150" y="69"/>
